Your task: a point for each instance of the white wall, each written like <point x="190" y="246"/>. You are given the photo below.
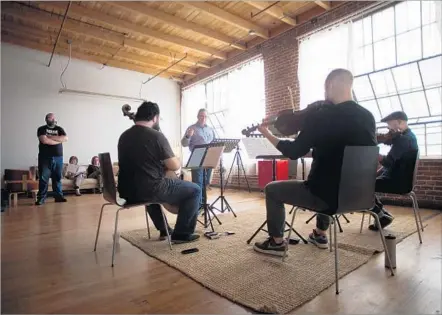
<point x="93" y="124"/>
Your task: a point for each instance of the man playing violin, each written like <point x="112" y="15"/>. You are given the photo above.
<point x="327" y="131"/>
<point x="143" y="155"/>
<point x="395" y="175"/>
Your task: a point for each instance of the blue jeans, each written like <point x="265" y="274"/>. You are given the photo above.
<point x="197" y="178"/>
<point x="50" y="168"/>
<point x="186" y="196"/>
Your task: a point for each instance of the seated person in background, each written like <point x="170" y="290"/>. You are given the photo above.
<point x="327" y="131"/>
<point x="93" y="171"/>
<point x="393" y="178"/>
<point x="143" y="155"/>
<point x="77" y="178"/>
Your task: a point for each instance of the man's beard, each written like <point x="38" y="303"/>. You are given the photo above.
<point x="50" y="123"/>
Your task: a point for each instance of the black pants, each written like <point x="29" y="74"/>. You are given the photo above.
<point x="388" y="186"/>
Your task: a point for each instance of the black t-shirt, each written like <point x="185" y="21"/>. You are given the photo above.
<point x="328" y="131"/>
<point x="46" y="150"/>
<point x="141" y="152"/>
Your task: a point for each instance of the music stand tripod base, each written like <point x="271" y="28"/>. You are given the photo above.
<point x="239" y="166"/>
<point x="230" y="144"/>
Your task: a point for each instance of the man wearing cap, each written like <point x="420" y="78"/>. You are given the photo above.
<point x="143" y="155"/>
<point x="393" y="178"/>
<point x="50" y="159"/>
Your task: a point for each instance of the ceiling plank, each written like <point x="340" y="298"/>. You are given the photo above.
<point x="29" y="15"/>
<point x="228" y="17"/>
<point x="140" y="8"/>
<point x="28" y="32"/>
<point x="54" y="22"/>
<point x="324" y="4"/>
<point x="82" y="12"/>
<point x="274" y="11"/>
<point x="77" y="55"/>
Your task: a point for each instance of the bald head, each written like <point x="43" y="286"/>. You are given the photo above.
<point x="338" y="86"/>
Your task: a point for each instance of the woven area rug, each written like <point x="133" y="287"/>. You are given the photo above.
<point x="231" y="268"/>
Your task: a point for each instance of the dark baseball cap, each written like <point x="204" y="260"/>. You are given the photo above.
<point x="399" y="115"/>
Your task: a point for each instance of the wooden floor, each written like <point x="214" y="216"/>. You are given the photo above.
<point x="48" y="266"/>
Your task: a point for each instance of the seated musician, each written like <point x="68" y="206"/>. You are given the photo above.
<point x="393" y="178"/>
<point x="143" y="155"/>
<point x="327" y="131"/>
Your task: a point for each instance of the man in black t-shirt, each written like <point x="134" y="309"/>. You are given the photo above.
<point x="144" y="154"/>
<point x="327" y="131"/>
<point x="50" y="159"/>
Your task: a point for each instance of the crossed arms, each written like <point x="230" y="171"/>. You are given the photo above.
<point x="52" y="140"/>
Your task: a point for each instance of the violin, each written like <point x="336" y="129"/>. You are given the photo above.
<point x="387" y="138"/>
<point x="169" y="174"/>
<point x="289" y="122"/>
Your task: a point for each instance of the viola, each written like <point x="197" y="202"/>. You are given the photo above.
<point x="169" y="174"/>
<point x="289" y="122"/>
<point x="387" y="138"/>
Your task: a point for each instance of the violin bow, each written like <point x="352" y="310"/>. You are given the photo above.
<point x="291" y="97"/>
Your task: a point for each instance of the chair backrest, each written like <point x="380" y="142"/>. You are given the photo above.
<point x="405" y="170"/>
<point x="358" y="178"/>
<point x="109" y="187"/>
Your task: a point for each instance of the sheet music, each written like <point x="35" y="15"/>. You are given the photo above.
<point x="196" y="157"/>
<point x="72" y="168"/>
<point x="213" y="156"/>
<point x="81" y="169"/>
<point x="259" y="146"/>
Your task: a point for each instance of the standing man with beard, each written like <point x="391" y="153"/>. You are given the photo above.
<point x="50" y="159"/>
<point x="196" y="134"/>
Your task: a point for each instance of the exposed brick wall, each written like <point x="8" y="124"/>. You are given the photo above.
<point x="280" y="56"/>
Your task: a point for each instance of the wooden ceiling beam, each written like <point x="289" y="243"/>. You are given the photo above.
<point x="73" y="27"/>
<point x="163" y="52"/>
<point x="28" y="32"/>
<point x="324" y="4"/>
<point x="228" y="17"/>
<point x="274" y="11"/>
<point x="81" y="56"/>
<point x="140" y="8"/>
<point x="82" y="12"/>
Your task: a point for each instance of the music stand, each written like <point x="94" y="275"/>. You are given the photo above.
<point x="205" y="156"/>
<point x="260" y="147"/>
<point x="230" y="144"/>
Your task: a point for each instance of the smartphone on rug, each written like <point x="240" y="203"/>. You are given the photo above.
<point x="190" y="251"/>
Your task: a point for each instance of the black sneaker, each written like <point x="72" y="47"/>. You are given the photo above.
<point x="270" y="247"/>
<point x="39" y="202"/>
<point x="319" y="240"/>
<point x="385" y="221"/>
<point x="182" y="239"/>
<point x="163" y="234"/>
<point x="62" y="199"/>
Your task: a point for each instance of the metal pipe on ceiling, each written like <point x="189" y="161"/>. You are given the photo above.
<point x="59" y="32"/>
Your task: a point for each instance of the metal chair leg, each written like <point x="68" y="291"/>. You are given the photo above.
<point x="381" y="233"/>
<point x="147" y="223"/>
<point x="416" y="211"/>
<point x="99" y="224"/>
<point x="166" y="226"/>
<point x="290" y="233"/>
<point x="330" y="235"/>
<point x="413" y="196"/>
<point x="362" y="222"/>
<point x="115" y="236"/>
<point x="336" y="256"/>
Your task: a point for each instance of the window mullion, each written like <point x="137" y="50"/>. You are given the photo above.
<point x="375" y="98"/>
<point x="423" y="87"/>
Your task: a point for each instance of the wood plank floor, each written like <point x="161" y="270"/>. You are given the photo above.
<point x="48" y="266"/>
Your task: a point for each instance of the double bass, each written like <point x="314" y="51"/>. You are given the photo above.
<point x="169" y="174"/>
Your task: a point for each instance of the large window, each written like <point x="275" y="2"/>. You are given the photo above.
<point x="234" y="100"/>
<point x="395" y="55"/>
